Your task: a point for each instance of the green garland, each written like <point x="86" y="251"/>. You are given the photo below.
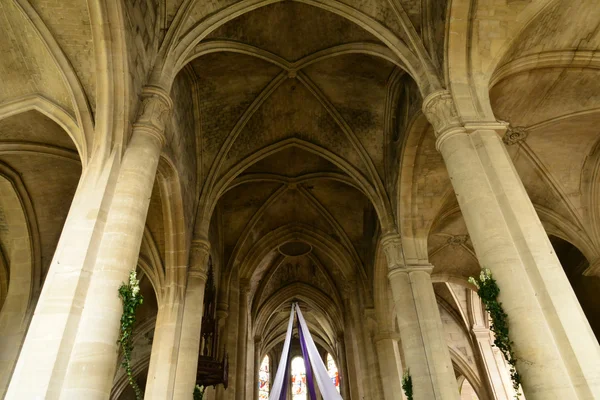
<point x="132" y="299"/>
<point x="407" y="385"/>
<point x="488" y="291"/>
<point x="199" y="392"/>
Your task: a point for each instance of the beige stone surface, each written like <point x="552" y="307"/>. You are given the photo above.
<point x="292" y="139"/>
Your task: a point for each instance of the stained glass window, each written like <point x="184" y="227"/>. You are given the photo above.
<point x="263" y="379"/>
<point x="333" y="372"/>
<point x="298" y="379"/>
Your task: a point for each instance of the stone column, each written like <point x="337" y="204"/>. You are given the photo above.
<point x="358" y="354"/>
<point x="421" y="331"/>
<point x="43" y="359"/>
<point x="559" y="352"/>
<point x="390" y="365"/>
<point x="257" y="361"/>
<point x="165" y="346"/>
<point x="242" y="350"/>
<point x="93" y="360"/>
<point x="343" y="367"/>
<point x="189" y="346"/>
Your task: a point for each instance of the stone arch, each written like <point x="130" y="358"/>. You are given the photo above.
<point x="78" y="97"/>
<point x="421" y="68"/>
<point x="468" y="79"/>
<point x="19" y="232"/>
<point x="54" y="112"/>
<point x="311" y="235"/>
<point x="380" y="204"/>
<point x="460" y="365"/>
<point x="415" y="224"/>
<point x="315" y="298"/>
<point x="586" y="288"/>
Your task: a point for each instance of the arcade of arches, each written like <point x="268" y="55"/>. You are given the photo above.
<point x="360" y="157"/>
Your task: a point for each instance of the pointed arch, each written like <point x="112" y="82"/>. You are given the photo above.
<point x="53" y="111"/>
<point x="176" y="53"/>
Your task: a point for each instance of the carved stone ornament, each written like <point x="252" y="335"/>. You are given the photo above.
<point x="441" y="112"/>
<point x="199" y="256"/>
<point x="155" y="108"/>
<point x="392" y="247"/>
<point x="514" y="135"/>
<point x="458" y="240"/>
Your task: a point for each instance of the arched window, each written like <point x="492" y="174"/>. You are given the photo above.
<point x="263" y="379"/>
<point x="333" y="372"/>
<point x="298" y="379"/>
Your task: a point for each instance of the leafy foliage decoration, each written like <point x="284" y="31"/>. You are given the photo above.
<point x="199" y="392"/>
<point x="488" y="292"/>
<point x="132" y="299"/>
<point x="407" y="385"/>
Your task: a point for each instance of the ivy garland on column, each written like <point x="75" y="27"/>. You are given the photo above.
<point x="132" y="299"/>
<point x="488" y="292"/>
<point x="407" y="386"/>
<point x="199" y="392"/>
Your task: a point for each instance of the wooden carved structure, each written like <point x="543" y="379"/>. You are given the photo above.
<point x="211" y="371"/>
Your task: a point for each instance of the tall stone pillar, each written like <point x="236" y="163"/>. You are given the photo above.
<point x="242" y="342"/>
<point x="43" y="359"/>
<point x="559" y="352"/>
<point x="421" y="331"/>
<point x="359" y="362"/>
<point x="390" y="365"/>
<point x="189" y="346"/>
<point x="343" y="367"/>
<point x="93" y="360"/>
<point x="257" y="362"/>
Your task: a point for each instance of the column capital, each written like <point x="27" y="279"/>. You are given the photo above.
<point x="392" y="247"/>
<point x="199" y="256"/>
<point x="244" y="286"/>
<point x="407" y="269"/>
<point x="155" y="109"/>
<point x="440" y="110"/>
<point x="222" y="314"/>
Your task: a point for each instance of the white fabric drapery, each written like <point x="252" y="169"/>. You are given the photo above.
<point x="326" y="386"/>
<point x="278" y="383"/>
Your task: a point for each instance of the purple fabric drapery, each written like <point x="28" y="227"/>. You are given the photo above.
<point x="310" y="383"/>
<point x="284" y="388"/>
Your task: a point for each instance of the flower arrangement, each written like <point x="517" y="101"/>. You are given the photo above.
<point x="488" y="292"/>
<point x="407" y="386"/>
<point x="132" y="299"/>
<point x="199" y="392"/>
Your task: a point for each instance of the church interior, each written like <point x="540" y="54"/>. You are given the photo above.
<point x="359" y="158"/>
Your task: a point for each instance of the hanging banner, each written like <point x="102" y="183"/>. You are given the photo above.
<point x="279" y="389"/>
<point x="310" y="383"/>
<point x="326" y="386"/>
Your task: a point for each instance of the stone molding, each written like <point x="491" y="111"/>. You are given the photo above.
<point x="155" y="109"/>
<point x="441" y="112"/>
